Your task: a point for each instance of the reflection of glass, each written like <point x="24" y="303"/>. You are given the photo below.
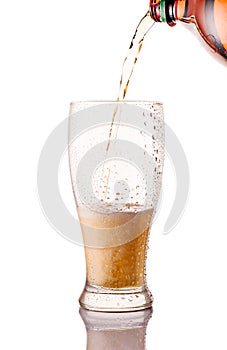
<point x="116" y="331"/>
<point x="116" y="179"/>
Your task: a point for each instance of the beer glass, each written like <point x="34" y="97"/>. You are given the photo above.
<point x="116" y="155"/>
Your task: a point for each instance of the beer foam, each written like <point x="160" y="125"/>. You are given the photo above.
<point x="113" y="229"/>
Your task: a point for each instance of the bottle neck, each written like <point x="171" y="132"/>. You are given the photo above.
<point x="169" y="11"/>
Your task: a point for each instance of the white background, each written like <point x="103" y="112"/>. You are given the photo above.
<point x="53" y="52"/>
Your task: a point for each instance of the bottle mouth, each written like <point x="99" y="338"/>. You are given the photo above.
<point x="155" y="10"/>
<point x="163" y="11"/>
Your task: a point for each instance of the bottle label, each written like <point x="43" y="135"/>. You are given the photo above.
<point x="162" y="11"/>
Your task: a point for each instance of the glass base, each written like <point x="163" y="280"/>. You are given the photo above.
<point x="115" y="300"/>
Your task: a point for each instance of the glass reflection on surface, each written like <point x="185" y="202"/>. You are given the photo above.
<point x="116" y="331"/>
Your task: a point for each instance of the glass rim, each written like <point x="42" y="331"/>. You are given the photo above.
<point x="115" y="101"/>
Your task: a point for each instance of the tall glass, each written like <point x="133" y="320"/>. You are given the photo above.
<point x="116" y="155"/>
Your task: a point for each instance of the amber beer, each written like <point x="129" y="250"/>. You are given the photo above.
<point x="115" y="247"/>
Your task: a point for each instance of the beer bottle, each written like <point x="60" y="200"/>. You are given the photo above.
<point x="208" y="16"/>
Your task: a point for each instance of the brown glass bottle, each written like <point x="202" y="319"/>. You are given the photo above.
<point x="209" y="17"/>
